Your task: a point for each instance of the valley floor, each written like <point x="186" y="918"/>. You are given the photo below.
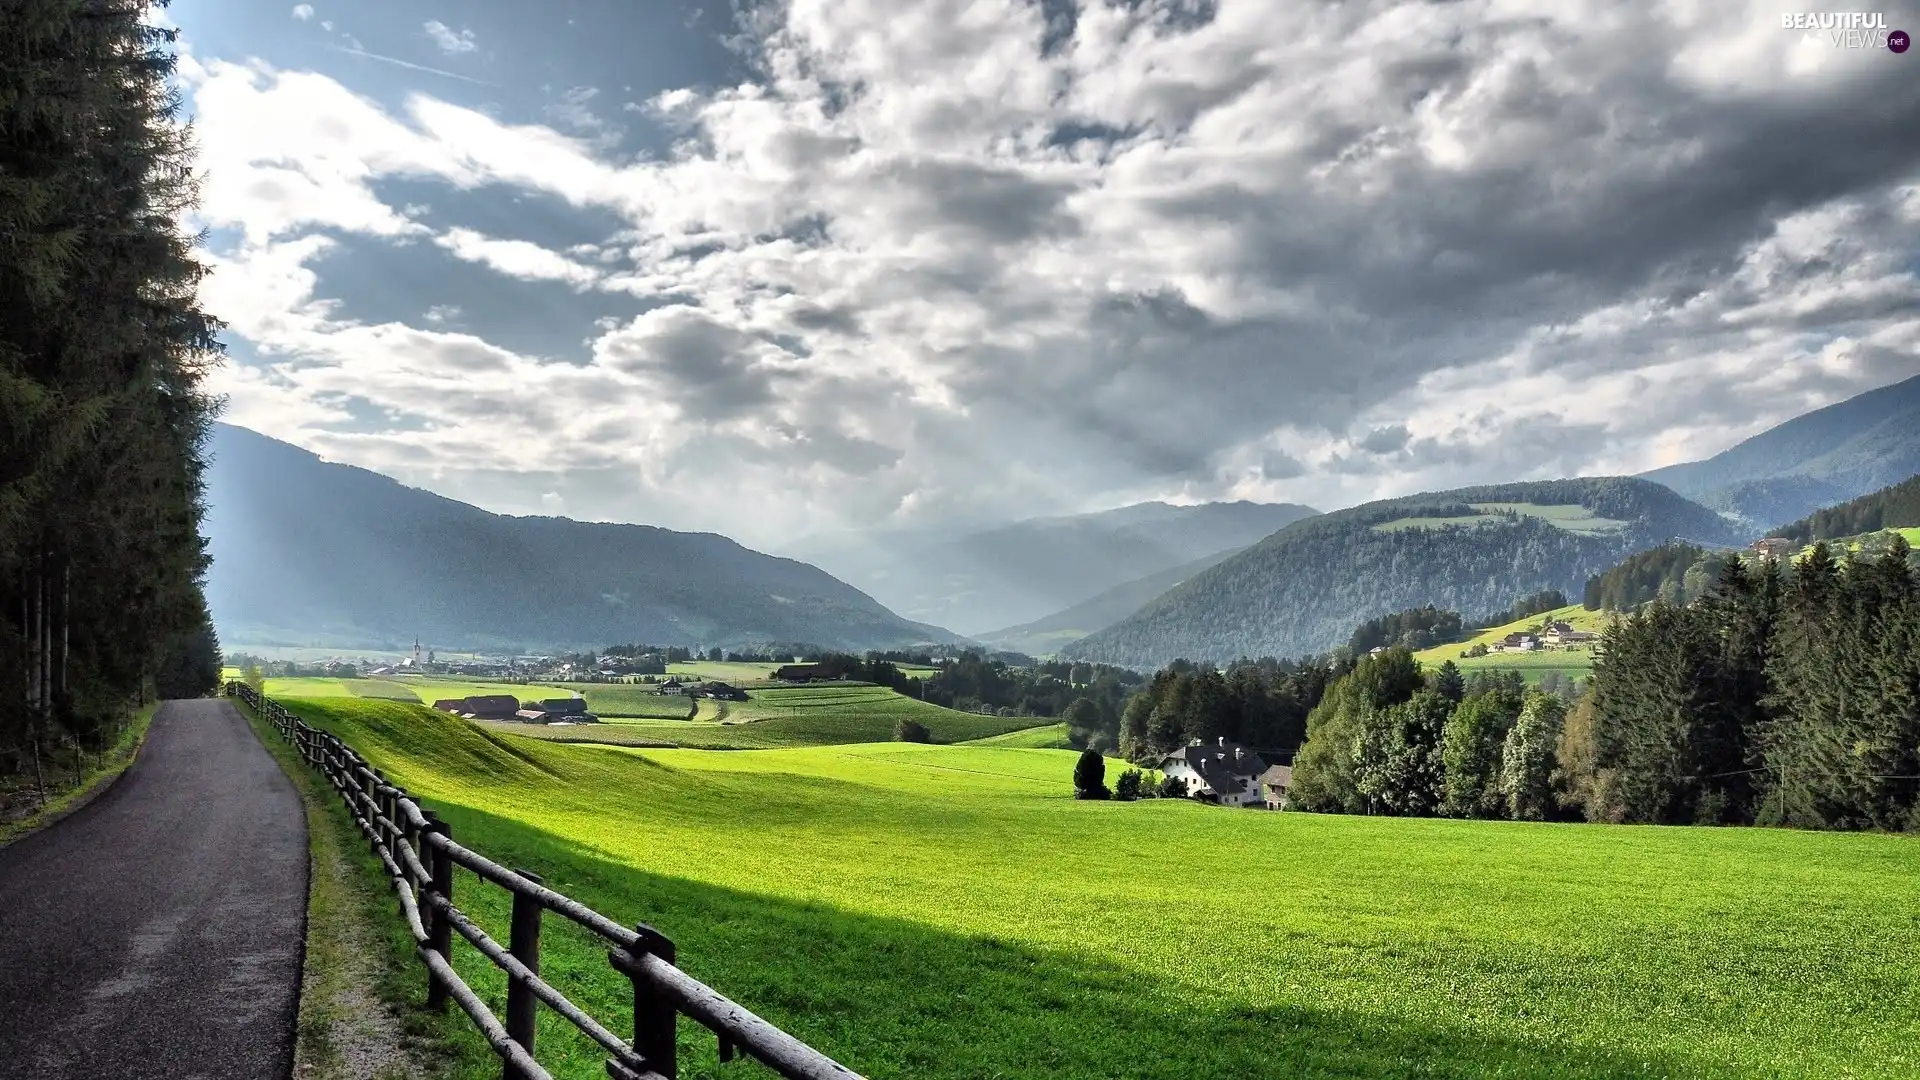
<point x="950" y="911"/>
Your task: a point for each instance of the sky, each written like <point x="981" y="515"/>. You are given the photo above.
<point x="771" y="269"/>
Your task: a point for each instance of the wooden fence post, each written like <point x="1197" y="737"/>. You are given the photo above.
<point x="524" y="944"/>
<point x="439" y="927"/>
<point x="655" y="1021"/>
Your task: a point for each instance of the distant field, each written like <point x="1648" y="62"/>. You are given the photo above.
<point x="631" y="699"/>
<point x="1572" y="518"/>
<point x="950" y="913"/>
<point x="1577" y="663"/>
<point x="801" y="716"/>
<point x="426" y="690"/>
<point x="723" y="672"/>
<point x="1851" y="544"/>
<point x="1048" y="737"/>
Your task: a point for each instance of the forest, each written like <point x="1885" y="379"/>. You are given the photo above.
<point x="103" y="352"/>
<point x="1303" y="590"/>
<point x="1786" y="694"/>
<point x="1892" y="507"/>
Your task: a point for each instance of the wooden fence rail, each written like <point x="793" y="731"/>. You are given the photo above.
<point x="419" y="854"/>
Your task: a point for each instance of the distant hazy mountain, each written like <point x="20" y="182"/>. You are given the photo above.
<point x="310" y="552"/>
<point x="1050" y="634"/>
<point x="1827" y="456"/>
<point x="1303" y="589"/>
<point x="1024" y="571"/>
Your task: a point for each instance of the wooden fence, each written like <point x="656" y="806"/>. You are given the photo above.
<point x="419" y="853"/>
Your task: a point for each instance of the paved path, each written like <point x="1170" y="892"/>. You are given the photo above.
<point x="157" y="932"/>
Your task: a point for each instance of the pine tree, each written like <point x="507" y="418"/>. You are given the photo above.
<point x="102" y="351"/>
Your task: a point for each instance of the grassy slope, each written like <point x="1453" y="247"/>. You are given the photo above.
<point x="632" y="699"/>
<point x="801" y="716"/>
<point x="950" y="912"/>
<point x="1049" y="737"/>
<point x="1577" y="662"/>
<point x="362" y="996"/>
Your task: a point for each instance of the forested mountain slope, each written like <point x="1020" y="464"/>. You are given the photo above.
<point x="310" y="552"/>
<point x="1818" y="459"/>
<point x="1897" y="506"/>
<point x="1303" y="589"/>
<point x="976" y="582"/>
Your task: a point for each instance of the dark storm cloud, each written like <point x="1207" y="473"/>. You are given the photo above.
<point x="708" y="369"/>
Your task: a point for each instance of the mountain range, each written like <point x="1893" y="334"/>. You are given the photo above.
<point x="1817" y="459"/>
<point x="306" y="552"/>
<point x="982" y="581"/>
<point x="1473" y="550"/>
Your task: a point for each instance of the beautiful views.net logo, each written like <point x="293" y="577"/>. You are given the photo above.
<point x="1849" y="29"/>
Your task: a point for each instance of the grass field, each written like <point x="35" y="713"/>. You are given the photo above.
<point x="426" y="689"/>
<point x="631" y="699"/>
<point x="799" y="716"/>
<point x="1572" y="518"/>
<point x="951" y="912"/>
<point x="1574" y="664"/>
<point x="1049" y="737"/>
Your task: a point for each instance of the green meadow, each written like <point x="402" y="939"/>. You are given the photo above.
<point x="784" y="717"/>
<point x="1048" y="737"/>
<point x="613" y="700"/>
<point x="1571" y="518"/>
<point x="1575" y="663"/>
<point x="951" y="912"/>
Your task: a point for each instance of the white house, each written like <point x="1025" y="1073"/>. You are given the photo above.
<point x="1223" y="773"/>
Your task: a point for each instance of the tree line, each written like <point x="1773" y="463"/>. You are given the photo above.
<point x="1784" y="694"/>
<point x="1392" y="738"/>
<point x="103" y="351"/>
<point x="1263" y="704"/>
<point x="1897" y="506"/>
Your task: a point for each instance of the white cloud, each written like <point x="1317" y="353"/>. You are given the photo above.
<point x="517" y="258"/>
<point x="303" y="12"/>
<point x="922" y="268"/>
<point x="448" y="40"/>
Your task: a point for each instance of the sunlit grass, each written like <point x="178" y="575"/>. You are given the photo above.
<point x="940" y="911"/>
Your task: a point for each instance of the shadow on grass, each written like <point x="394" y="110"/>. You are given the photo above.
<point x="894" y="999"/>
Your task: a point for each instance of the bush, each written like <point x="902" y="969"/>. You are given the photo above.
<point x="1089" y="775"/>
<point x="905" y="730"/>
<point x="1127" y="788"/>
<point x="1172" y="787"/>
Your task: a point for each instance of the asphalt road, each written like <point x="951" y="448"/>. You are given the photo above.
<point x="157" y="932"/>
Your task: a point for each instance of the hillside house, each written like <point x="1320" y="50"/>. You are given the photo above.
<point x="1519" y="641"/>
<point x="671" y="686"/>
<point x="801" y="673"/>
<point x="1773" y="547"/>
<point x="1274" y="784"/>
<point x="1225" y="772"/>
<point x="720" y="691"/>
